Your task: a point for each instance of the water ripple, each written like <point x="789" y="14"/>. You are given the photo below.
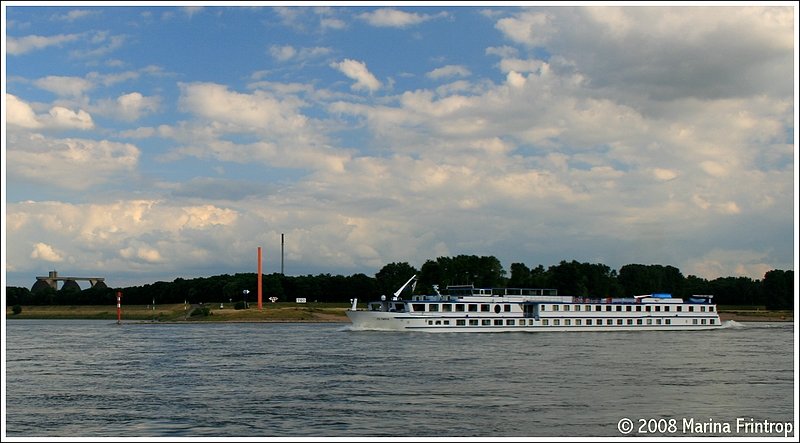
<point x="99" y="379"/>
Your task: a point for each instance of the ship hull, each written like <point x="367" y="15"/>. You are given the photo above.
<point x="391" y="321"/>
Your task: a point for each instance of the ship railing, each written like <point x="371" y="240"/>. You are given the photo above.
<point x="524" y="291"/>
<point x="588" y="300"/>
<point x="605" y="300"/>
<point x="464" y="290"/>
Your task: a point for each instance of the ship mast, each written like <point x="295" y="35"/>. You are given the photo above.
<point x="397" y="293"/>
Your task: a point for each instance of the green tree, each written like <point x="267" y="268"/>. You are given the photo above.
<point x="637" y="279"/>
<point x="97" y="295"/>
<point x="362" y="287"/>
<point x="540" y="278"/>
<point x="392" y="276"/>
<point x="44" y="296"/>
<point x="430" y="274"/>
<point x="229" y="291"/>
<point x="481" y="271"/>
<point x="273" y="286"/>
<point x="735" y="291"/>
<point x="568" y="279"/>
<point x="778" y="289"/>
<point x="17" y="296"/>
<point x="490" y="272"/>
<point x="520" y="276"/>
<point x="695" y="285"/>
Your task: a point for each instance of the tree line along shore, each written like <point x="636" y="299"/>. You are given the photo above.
<point x="774" y="292"/>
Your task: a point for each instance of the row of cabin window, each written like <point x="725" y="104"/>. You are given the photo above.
<point x="567" y="322"/>
<point x="620" y="322"/>
<point x="485" y="307"/>
<point x="459" y="307"/>
<point x="647" y="308"/>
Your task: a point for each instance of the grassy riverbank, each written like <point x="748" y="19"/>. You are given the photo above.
<point x="282" y="312"/>
<point x="275" y="312"/>
<point x="753" y="313"/>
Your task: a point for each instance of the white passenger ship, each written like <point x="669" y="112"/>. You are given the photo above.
<point x="470" y="309"/>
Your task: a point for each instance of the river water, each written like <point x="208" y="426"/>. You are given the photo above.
<point x="93" y="378"/>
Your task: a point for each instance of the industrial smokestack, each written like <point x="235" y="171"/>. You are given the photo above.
<point x="281" y="254"/>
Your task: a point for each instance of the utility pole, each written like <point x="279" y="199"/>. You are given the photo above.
<point x="259" y="278"/>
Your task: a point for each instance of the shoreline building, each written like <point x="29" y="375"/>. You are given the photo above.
<point x="51" y="281"/>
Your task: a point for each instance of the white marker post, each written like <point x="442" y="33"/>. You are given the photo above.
<point x="119" y="307"/>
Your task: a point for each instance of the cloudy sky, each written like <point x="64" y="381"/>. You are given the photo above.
<point x="149" y="143"/>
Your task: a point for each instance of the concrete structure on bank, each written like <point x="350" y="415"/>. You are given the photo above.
<point x="51" y="281"/>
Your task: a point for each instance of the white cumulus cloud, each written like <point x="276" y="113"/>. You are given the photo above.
<point x="20" y="113"/>
<point x="43" y="251"/>
<point x="64" y="85"/>
<point x="127" y="107"/>
<point x="448" y="71"/>
<point x="72" y="163"/>
<point x="60" y="117"/>
<point x="285" y="53"/>
<point x="141" y="253"/>
<point x="257" y="111"/>
<point x="22" y="45"/>
<point x="394" y="18"/>
<point x="358" y="71"/>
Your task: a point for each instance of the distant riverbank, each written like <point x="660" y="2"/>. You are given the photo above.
<point x="273" y="312"/>
<point x="740" y="315"/>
